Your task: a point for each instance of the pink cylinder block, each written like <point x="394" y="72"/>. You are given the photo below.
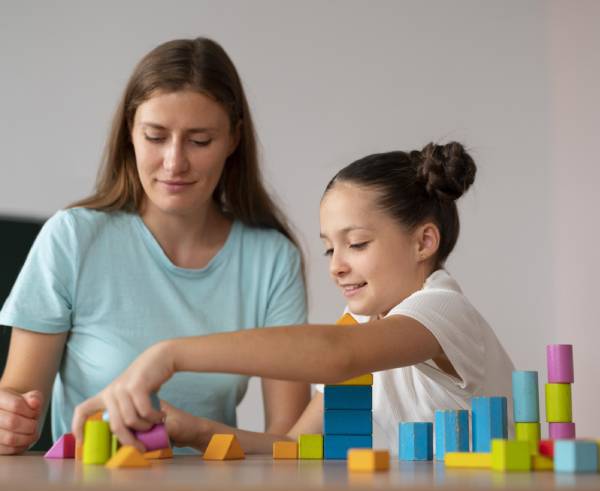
<point x="155" y="438"/>
<point x="562" y="431"/>
<point x="560" y="363"/>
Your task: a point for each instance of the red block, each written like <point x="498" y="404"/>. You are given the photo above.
<point x="546" y="448"/>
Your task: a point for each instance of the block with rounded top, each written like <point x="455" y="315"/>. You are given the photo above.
<point x="526" y="399"/>
<point x="562" y="431"/>
<point x="560" y="363"/>
<point x="96" y="442"/>
<point x="155" y="438"/>
<point x="558" y="403"/>
<point x="529" y="432"/>
<point x="368" y="460"/>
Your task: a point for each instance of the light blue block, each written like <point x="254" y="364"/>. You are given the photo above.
<point x="348" y="422"/>
<point x="451" y="432"/>
<point x="525" y="393"/>
<point x="348" y="397"/>
<point x="336" y="446"/>
<point x="575" y="456"/>
<point x="415" y="441"/>
<point x="489" y="421"/>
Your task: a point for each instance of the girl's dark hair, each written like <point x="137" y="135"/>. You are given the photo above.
<point x="417" y="186"/>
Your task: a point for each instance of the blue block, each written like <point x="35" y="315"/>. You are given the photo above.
<point x="488" y="422"/>
<point x="451" y="432"/>
<point x="575" y="456"/>
<point x="348" y="422"/>
<point x="348" y="397"/>
<point x="415" y="441"/>
<point x="336" y="446"/>
<point x="525" y="393"/>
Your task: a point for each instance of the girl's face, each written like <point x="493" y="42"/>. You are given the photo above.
<point x="373" y="260"/>
<point x="181" y="141"/>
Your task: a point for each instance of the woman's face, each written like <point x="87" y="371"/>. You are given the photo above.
<point x="181" y="142"/>
<point x="373" y="259"/>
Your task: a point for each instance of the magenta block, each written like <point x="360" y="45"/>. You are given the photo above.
<point x="562" y="431"/>
<point x="63" y="448"/>
<point x="155" y="438"/>
<point x="560" y="363"/>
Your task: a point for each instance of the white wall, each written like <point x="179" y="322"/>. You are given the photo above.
<point x="331" y="81"/>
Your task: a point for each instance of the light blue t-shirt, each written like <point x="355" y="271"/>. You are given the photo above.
<point x="104" y="278"/>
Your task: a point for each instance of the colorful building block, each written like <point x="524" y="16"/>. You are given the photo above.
<point x="310" y="447"/>
<point x="560" y="363"/>
<point x="347" y="422"/>
<point x="546" y="448"/>
<point x="115" y="445"/>
<point x="63" y="448"/>
<point x="510" y="455"/>
<point x="529" y="432"/>
<point x="360" y="380"/>
<point x="541" y="463"/>
<point x="366" y="460"/>
<point x="96" y="442"/>
<point x="575" y="456"/>
<point x="470" y="460"/>
<point x="451" y="431"/>
<point x="415" y="441"/>
<point x="223" y="447"/>
<point x="127" y="456"/>
<point x="155" y="438"/>
<point x="78" y="452"/>
<point x="558" y="403"/>
<point x="346" y="320"/>
<point x="526" y="400"/>
<point x="489" y="421"/>
<point x="285" y="450"/>
<point x="348" y="397"/>
<point x="337" y="446"/>
<point x="561" y="431"/>
<point x="163" y="453"/>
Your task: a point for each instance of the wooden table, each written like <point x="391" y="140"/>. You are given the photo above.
<point x="33" y="472"/>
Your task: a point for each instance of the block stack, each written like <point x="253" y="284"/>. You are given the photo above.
<point x="558" y="391"/>
<point x="526" y="408"/>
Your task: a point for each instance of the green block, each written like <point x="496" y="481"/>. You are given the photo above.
<point x="529" y="432"/>
<point x="310" y="447"/>
<point x="115" y="445"/>
<point x="96" y="442"/>
<point x="511" y="455"/>
<point x="558" y="403"/>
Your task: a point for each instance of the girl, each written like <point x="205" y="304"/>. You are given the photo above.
<point x="388" y="222"/>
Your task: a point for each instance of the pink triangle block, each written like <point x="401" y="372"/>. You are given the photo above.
<point x="63" y="448"/>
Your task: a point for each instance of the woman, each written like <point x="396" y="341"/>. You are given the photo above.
<point x="180" y="236"/>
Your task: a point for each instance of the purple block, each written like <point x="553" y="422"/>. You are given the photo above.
<point x="155" y="438"/>
<point x="560" y="363"/>
<point x="562" y="431"/>
<point x="63" y="448"/>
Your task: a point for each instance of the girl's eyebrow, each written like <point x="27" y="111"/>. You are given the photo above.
<point x="345" y="230"/>
<point x="189" y="130"/>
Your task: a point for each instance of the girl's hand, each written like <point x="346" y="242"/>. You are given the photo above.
<point x="19" y="417"/>
<point x="127" y="398"/>
<point x="186" y="430"/>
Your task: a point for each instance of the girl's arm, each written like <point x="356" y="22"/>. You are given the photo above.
<point x="283" y="403"/>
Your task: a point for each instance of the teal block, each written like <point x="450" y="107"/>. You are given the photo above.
<point x="451" y="431"/>
<point x="415" y="441"/>
<point x="347" y="422"/>
<point x="348" y="397"/>
<point x="337" y="446"/>
<point x="489" y="421"/>
<point x="575" y="456"/>
<point x="526" y="399"/>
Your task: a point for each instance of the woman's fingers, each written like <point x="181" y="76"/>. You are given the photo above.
<point x="16" y="423"/>
<point x="130" y="415"/>
<point x="118" y="426"/>
<point x="13" y="402"/>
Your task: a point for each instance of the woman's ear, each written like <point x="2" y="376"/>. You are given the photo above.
<point x="427" y="240"/>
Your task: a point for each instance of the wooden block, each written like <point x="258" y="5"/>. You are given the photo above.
<point x="510" y="455"/>
<point x="415" y="441"/>
<point x="489" y="421"/>
<point x="79" y="452"/>
<point x="347" y="422"/>
<point x="224" y="447"/>
<point x="546" y="447"/>
<point x="541" y="463"/>
<point x="526" y="399"/>
<point x="471" y="460"/>
<point x="346" y="320"/>
<point x="575" y="456"/>
<point x="127" y="456"/>
<point x="97" y="416"/>
<point x="451" y="431"/>
<point x="310" y="447"/>
<point x="335" y="447"/>
<point x="63" y="448"/>
<point x="367" y="460"/>
<point x="360" y="380"/>
<point x="529" y="432"/>
<point x="161" y="453"/>
<point x="558" y="403"/>
<point x="155" y="438"/>
<point x="348" y="397"/>
<point x="560" y="363"/>
<point x="115" y="445"/>
<point x="285" y="450"/>
<point x="96" y="442"/>
<point x="561" y="431"/>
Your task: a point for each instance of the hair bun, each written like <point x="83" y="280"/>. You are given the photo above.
<point x="446" y="171"/>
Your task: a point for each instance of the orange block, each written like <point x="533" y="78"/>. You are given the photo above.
<point x="541" y="463"/>
<point x="285" y="450"/>
<point x="127" y="456"/>
<point x="78" y="452"/>
<point x="97" y="416"/>
<point x="224" y="447"/>
<point x="367" y="460"/>
<point x="163" y="453"/>
<point x="346" y="320"/>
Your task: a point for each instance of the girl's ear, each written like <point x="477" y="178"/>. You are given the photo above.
<point x="427" y="241"/>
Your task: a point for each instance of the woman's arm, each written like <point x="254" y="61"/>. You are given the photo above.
<point x="25" y="386"/>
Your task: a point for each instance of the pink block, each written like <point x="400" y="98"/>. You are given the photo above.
<point x="560" y="363"/>
<point x="155" y="438"/>
<point x="562" y="431"/>
<point x="63" y="448"/>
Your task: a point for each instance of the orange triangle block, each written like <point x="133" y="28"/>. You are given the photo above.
<point x="162" y="453"/>
<point x="127" y="456"/>
<point x="346" y="320"/>
<point x="224" y="447"/>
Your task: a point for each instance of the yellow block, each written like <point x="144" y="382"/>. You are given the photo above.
<point x="223" y="447"/>
<point x="541" y="463"/>
<point x="529" y="432"/>
<point x="346" y="320"/>
<point x="367" y="460"/>
<point x="558" y="403"/>
<point x="285" y="450"/>
<point x="163" y="453"/>
<point x="510" y="455"/>
<point x="360" y="380"/>
<point x="472" y="460"/>
<point x="127" y="456"/>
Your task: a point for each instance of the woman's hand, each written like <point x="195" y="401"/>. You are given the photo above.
<point x="127" y="398"/>
<point x="19" y="418"/>
<point x="185" y="429"/>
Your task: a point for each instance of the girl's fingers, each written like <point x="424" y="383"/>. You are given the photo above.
<point x="82" y="412"/>
<point x="144" y="407"/>
<point x="129" y="414"/>
<point x="16" y="423"/>
<point x="119" y="428"/>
